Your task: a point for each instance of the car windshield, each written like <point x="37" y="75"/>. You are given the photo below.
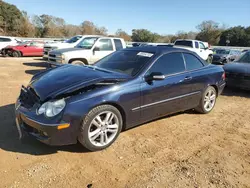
<point x="73" y="39"/>
<point x="125" y="61"/>
<point x="244" y="58"/>
<point x="87" y="43"/>
<point x="222" y="51"/>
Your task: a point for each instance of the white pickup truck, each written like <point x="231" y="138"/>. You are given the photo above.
<point x="8" y="41"/>
<point x="201" y="48"/>
<point x="70" y="43"/>
<point x="88" y="51"/>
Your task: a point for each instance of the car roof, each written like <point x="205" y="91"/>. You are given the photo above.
<point x="158" y="49"/>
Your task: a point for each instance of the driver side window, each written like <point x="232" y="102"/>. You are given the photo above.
<point x="105" y="45"/>
<point x="168" y="64"/>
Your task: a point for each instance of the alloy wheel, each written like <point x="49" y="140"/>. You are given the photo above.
<point x="103" y="129"/>
<point x="209" y="100"/>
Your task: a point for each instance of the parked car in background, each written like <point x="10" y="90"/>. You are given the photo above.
<point x="89" y="50"/>
<point x="199" y="47"/>
<point x="93" y="104"/>
<point x="70" y="43"/>
<point x="24" y="49"/>
<point x="238" y="72"/>
<point x="6" y="41"/>
<point x="243" y="51"/>
<point x="223" y="56"/>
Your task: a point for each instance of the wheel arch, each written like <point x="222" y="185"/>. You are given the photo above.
<point x="121" y="110"/>
<point x="79" y="59"/>
<point x="216" y="89"/>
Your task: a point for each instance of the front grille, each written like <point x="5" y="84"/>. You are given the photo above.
<point x="28" y="97"/>
<point x="52" y="55"/>
<point x="47" y="49"/>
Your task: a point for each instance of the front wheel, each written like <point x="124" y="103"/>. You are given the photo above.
<point x="16" y="54"/>
<point x="100" y="128"/>
<point x="77" y="62"/>
<point x="208" y="101"/>
<point x="210" y="59"/>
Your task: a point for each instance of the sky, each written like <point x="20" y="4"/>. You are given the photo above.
<point x="160" y="16"/>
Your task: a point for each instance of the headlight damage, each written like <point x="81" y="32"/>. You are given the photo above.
<point x="52" y="108"/>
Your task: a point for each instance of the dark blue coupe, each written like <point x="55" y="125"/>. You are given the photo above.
<point x="238" y="72"/>
<point x="92" y="104"/>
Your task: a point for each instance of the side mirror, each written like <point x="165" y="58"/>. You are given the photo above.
<point x="155" y="76"/>
<point x="25" y="46"/>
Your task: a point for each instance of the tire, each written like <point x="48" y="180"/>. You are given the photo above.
<point x="207" y="99"/>
<point x="97" y="136"/>
<point x="78" y="62"/>
<point x="210" y="59"/>
<point x="16" y="54"/>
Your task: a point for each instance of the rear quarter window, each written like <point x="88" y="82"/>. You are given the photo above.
<point x="192" y="62"/>
<point x="184" y="43"/>
<point x="118" y="44"/>
<point x="5" y="39"/>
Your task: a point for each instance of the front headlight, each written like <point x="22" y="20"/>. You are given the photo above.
<point x="51" y="109"/>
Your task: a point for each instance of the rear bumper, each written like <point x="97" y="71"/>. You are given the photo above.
<point x="221" y="87"/>
<point x="242" y="84"/>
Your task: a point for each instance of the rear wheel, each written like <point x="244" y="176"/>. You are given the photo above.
<point x="100" y="127"/>
<point x="208" y="101"/>
<point x="16" y="54"/>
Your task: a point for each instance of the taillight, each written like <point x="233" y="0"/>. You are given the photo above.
<point x="224" y="76"/>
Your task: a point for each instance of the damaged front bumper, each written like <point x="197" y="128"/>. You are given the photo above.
<point x="50" y="133"/>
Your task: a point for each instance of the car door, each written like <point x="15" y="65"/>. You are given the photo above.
<point x="202" y="52"/>
<point x="4" y="42"/>
<point x="35" y="49"/>
<point x="27" y="50"/>
<point x="196" y="70"/>
<point x="102" y="48"/>
<point x="166" y="96"/>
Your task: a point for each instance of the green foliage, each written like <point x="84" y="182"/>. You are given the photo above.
<point x="122" y="34"/>
<point x="210" y="32"/>
<point x="10" y="19"/>
<point x="144" y="35"/>
<point x="237" y="36"/>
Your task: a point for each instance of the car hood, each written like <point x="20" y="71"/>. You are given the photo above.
<point x="15" y="46"/>
<point x="220" y="55"/>
<point x="68" y="78"/>
<point x="237" y="67"/>
<point x="60" y="51"/>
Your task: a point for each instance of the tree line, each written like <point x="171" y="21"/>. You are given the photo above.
<point x="14" y="22"/>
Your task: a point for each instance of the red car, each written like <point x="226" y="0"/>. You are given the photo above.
<point x="24" y="49"/>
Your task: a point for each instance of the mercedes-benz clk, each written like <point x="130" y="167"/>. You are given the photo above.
<point x="93" y="104"/>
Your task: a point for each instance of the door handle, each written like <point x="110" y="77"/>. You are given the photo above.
<point x="187" y="78"/>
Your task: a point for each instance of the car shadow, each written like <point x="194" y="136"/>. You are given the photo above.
<point x="236" y="92"/>
<point x="39" y="59"/>
<point x="35" y="71"/>
<point x="36" y="64"/>
<point x="9" y="140"/>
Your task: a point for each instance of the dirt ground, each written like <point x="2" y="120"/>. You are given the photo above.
<point x="182" y="150"/>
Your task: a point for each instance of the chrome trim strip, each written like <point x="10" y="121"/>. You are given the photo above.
<point x="166" y="100"/>
<point x="222" y="85"/>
